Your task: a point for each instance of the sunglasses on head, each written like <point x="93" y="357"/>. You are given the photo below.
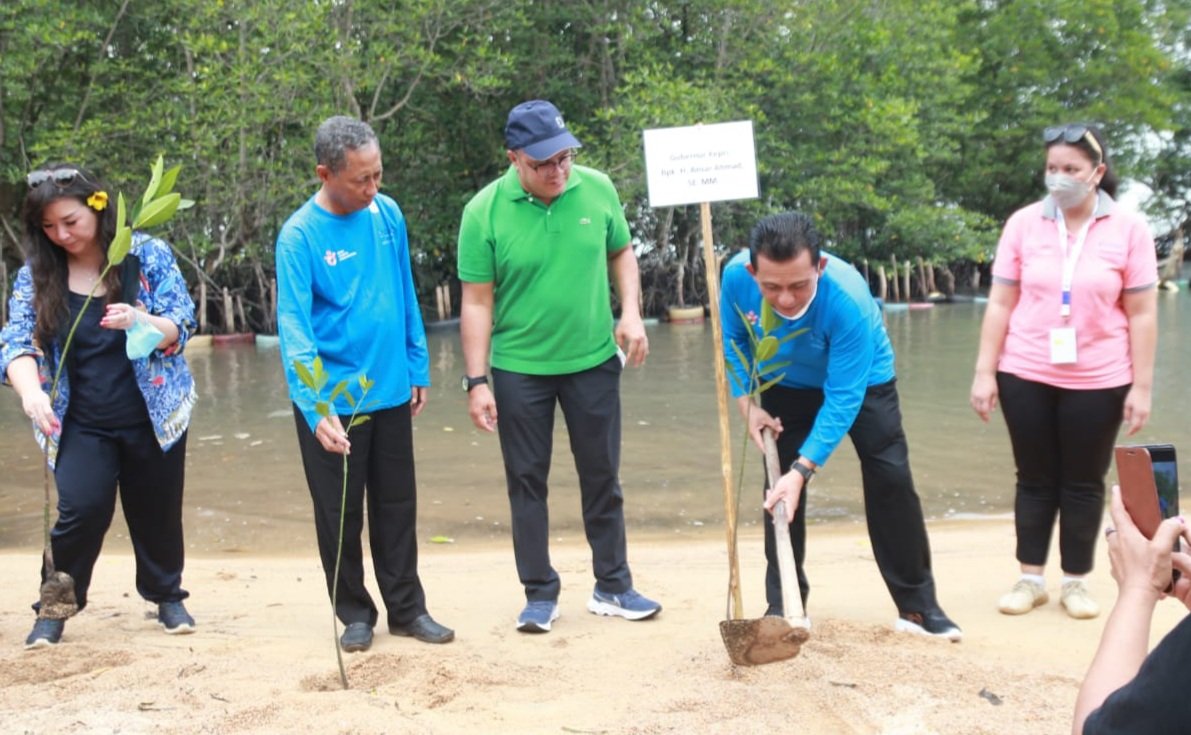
<point x="1073" y="134"/>
<point x="62" y="177"/>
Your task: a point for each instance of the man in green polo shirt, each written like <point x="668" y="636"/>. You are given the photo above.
<point x="536" y="248"/>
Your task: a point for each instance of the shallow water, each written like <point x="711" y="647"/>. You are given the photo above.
<point x="245" y="491"/>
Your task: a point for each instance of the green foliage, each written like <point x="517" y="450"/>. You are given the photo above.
<point x="906" y="127"/>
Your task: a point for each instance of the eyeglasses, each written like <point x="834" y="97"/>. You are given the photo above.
<point x="61" y="177"/>
<point x="1073" y="134"/>
<point x="545" y="167"/>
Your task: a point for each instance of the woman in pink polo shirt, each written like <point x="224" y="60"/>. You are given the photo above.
<point x="1067" y="346"/>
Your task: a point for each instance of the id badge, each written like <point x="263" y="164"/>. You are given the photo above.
<point x="1062" y="345"/>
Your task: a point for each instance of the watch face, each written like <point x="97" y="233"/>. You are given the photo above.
<point x="465" y="384"/>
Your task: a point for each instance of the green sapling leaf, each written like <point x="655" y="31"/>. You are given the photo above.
<point x="154" y="182"/>
<point x="157" y="211"/>
<point x="769" y="318"/>
<point x="340" y="387"/>
<point x="320" y="374"/>
<point x="304" y="375"/>
<point x="359" y="420"/>
<point x="120" y="246"/>
<point x="769" y="384"/>
<point x="167" y="181"/>
<point x="766" y="348"/>
<point x="740" y="354"/>
<point x="323" y="408"/>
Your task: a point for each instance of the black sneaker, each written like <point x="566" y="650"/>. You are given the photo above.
<point x="933" y="623"/>
<point x="45" y="633"/>
<point x="172" y="616"/>
<point x="356" y="637"/>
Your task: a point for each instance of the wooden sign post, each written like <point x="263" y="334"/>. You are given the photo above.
<point x="699" y="165"/>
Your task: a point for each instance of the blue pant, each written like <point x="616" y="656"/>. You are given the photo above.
<point x="590" y="402"/>
<point x="92" y="463"/>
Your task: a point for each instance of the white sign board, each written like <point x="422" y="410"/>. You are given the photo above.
<point x="701" y="163"/>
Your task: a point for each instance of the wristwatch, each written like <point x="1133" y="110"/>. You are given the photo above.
<point x="470" y="382"/>
<point x="806" y="472"/>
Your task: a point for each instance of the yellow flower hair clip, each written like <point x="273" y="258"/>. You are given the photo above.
<point x="98" y="201"/>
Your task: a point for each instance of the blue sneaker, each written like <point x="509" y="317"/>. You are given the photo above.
<point x="630" y="605"/>
<point x="172" y="616"/>
<point x="538" y="616"/>
<point x="45" y="633"/>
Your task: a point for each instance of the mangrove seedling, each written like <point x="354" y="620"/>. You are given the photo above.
<point x="763" y="372"/>
<point x="315" y="378"/>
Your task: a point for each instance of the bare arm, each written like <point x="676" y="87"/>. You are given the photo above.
<point x="1141" y="308"/>
<point x="1001" y="301"/>
<point x="475" y="330"/>
<point x="1142" y="569"/>
<point x="630" y="330"/>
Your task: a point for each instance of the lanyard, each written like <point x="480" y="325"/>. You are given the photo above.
<point x="1070" y="257"/>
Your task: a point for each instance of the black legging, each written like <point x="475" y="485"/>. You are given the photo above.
<point x="1062" y="445"/>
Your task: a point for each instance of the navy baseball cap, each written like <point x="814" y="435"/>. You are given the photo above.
<point x="537" y="128"/>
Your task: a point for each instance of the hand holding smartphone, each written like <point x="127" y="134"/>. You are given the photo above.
<point x="1149" y="479"/>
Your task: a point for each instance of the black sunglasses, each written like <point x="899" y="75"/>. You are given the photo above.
<point x="1073" y="133"/>
<point x="61" y="177"/>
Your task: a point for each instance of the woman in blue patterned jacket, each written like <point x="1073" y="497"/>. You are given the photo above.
<point x="123" y="402"/>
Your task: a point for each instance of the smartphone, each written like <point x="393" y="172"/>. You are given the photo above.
<point x="1149" y="480"/>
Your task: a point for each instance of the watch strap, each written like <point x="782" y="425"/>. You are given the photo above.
<point x="806" y="472"/>
<point x="470" y="382"/>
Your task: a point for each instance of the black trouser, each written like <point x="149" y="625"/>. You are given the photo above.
<point x="891" y="507"/>
<point x="590" y="402"/>
<point x="91" y="463"/>
<point x="381" y="466"/>
<point x="1062" y="445"/>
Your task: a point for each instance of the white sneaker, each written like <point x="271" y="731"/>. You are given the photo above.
<point x="1077" y="601"/>
<point x="1024" y="597"/>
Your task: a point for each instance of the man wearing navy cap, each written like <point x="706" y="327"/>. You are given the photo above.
<point x="536" y="249"/>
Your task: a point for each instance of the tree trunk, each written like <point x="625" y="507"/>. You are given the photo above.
<point x="906" y="280"/>
<point x="273" y="305"/>
<point x="240" y="313"/>
<point x="202" y="309"/>
<point x="229" y="314"/>
<point x="895" y="290"/>
<point x="882" y="285"/>
<point x="947" y="279"/>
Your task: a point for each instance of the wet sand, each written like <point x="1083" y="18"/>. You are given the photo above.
<point x="262" y="660"/>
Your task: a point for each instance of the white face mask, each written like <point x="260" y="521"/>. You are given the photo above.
<point x="1068" y="191"/>
<point x="801" y="312"/>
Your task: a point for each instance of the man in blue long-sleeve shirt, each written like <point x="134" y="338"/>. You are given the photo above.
<point x="836" y="373"/>
<point x="345" y="294"/>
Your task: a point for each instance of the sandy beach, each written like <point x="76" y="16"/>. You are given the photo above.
<point x="262" y="660"/>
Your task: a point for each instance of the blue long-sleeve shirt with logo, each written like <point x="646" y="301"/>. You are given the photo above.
<point x="345" y="293"/>
<point x="844" y="350"/>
